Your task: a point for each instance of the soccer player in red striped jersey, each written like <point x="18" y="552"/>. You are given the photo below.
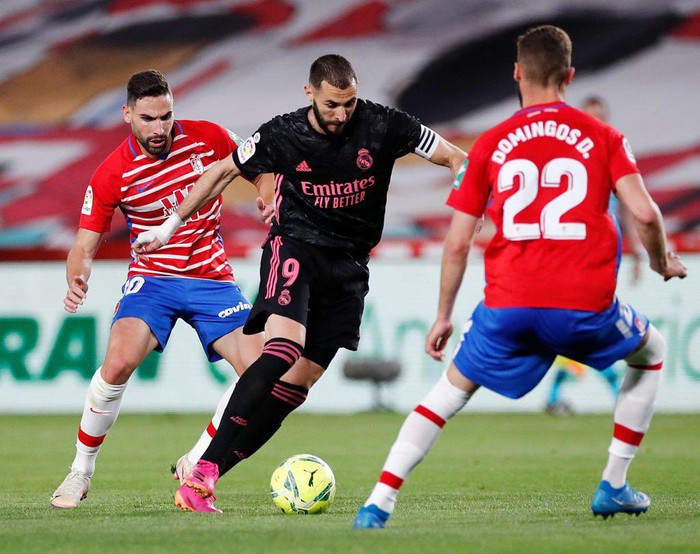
<point x="550" y="273"/>
<point x="147" y="177"/>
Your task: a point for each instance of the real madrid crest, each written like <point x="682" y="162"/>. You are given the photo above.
<point x="364" y="160"/>
<point x="196" y="164"/>
<point x="285" y="297"/>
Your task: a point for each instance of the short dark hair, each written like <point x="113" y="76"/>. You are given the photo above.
<point x="146" y="84"/>
<point x="334" y="69"/>
<point x="544" y="54"/>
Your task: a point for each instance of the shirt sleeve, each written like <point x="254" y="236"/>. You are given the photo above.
<point x="622" y="160"/>
<point x="403" y="132"/>
<point x="471" y="194"/>
<point x="227" y="142"/>
<point x="219" y="138"/>
<point x="255" y="154"/>
<point x="102" y="197"/>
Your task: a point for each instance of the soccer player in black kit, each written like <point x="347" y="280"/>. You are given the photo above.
<point x="332" y="164"/>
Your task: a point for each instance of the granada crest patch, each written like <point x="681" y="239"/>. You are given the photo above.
<point x="196" y="163"/>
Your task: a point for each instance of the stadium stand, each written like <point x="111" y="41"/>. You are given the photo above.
<point x="63" y="65"/>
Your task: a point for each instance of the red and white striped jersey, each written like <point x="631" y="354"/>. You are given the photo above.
<point x="148" y="190"/>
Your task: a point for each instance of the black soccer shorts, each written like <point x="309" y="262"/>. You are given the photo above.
<point x="322" y="288"/>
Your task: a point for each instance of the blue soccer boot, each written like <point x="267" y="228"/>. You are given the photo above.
<point x="608" y="501"/>
<point x="370" y="517"/>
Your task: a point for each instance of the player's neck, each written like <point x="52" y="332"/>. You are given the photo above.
<point x="534" y="95"/>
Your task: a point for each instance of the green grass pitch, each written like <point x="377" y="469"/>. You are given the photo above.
<point x="493" y="483"/>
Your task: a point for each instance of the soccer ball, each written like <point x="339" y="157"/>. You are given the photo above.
<point x="302" y="484"/>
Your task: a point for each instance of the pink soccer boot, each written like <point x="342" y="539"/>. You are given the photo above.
<point x="188" y="499"/>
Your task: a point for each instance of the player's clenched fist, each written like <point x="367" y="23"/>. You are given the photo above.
<point x="154" y="238"/>
<point x="674" y="267"/>
<point x="77" y="291"/>
<point x="265" y="211"/>
<point x="437" y="339"/>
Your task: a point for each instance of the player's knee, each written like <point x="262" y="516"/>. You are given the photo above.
<point x="281" y="354"/>
<point x="320" y="358"/>
<point x="101" y="390"/>
<point x="305" y="373"/>
<point x="651" y="354"/>
<point x="117" y="371"/>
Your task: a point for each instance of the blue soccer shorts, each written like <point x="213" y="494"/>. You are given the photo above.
<point x="509" y="350"/>
<point x="212" y="308"/>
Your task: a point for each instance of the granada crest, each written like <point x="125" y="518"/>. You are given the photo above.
<point x="364" y="160"/>
<point x="196" y="164"/>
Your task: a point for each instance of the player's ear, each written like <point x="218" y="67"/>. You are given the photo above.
<point x="127" y="113"/>
<point x="570" y="76"/>
<point x="517" y="74"/>
<point x="309" y="91"/>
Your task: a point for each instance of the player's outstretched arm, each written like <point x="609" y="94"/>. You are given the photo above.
<point x="79" y="268"/>
<point x="637" y="251"/>
<point x="449" y="155"/>
<point x="454" y="263"/>
<point x="205" y="189"/>
<point x="265" y="183"/>
<point x="650" y="226"/>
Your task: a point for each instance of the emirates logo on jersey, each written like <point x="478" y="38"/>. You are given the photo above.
<point x="364" y="160"/>
<point x="197" y="164"/>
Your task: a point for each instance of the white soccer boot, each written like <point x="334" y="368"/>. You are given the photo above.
<point x="181" y="469"/>
<point x="72" y="491"/>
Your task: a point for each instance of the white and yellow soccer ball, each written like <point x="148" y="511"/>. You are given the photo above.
<point x="302" y="484"/>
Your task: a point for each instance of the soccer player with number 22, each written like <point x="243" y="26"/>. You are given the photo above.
<point x="551" y="271"/>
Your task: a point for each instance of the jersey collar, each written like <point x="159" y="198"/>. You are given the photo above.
<point x="136" y="152"/>
<point x="552" y="105"/>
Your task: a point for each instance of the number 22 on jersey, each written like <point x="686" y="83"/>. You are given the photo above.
<point x="530" y="180"/>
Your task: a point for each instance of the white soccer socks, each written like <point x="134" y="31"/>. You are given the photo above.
<point x="99" y="414"/>
<point x="204" y="440"/>
<point x="419" y="432"/>
<point x="635" y="407"/>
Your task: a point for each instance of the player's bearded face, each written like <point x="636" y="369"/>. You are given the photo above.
<point x="333" y="107"/>
<point x="151" y="120"/>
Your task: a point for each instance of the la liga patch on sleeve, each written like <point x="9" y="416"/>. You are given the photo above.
<point x="246" y="150"/>
<point x="87" y="202"/>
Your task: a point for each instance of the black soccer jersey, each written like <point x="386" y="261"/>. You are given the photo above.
<point x="331" y="191"/>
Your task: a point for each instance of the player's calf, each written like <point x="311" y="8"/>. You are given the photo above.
<point x="635" y="406"/>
